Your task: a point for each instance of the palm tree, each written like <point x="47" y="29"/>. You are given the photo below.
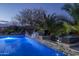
<point x="58" y="24"/>
<point x="73" y="10"/>
<point x="62" y="25"/>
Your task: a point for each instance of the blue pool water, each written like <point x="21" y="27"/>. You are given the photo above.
<point x="19" y="45"/>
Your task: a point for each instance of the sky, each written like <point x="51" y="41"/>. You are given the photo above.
<point x="9" y="10"/>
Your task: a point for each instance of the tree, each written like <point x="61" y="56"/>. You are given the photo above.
<point x="61" y="25"/>
<point x="73" y="10"/>
<point x="32" y="17"/>
<point x="38" y="19"/>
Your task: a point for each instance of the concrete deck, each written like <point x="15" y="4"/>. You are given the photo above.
<point x="70" y="51"/>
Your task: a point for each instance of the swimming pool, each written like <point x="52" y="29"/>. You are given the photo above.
<point x="19" y="45"/>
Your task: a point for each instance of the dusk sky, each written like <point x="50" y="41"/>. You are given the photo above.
<point x="8" y="11"/>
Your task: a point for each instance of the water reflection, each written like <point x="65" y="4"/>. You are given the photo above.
<point x="8" y="45"/>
